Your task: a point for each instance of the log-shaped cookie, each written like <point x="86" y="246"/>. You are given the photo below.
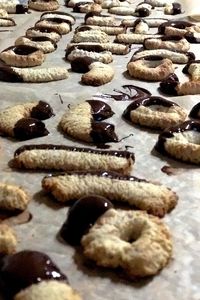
<point x="151" y="22"/>
<point x="134" y="38"/>
<point x="114" y="48"/>
<point x="175" y="43"/>
<point x="63" y="26"/>
<point x="94" y="18"/>
<point x="7" y="22"/>
<point x="42" y="5"/>
<point x="110" y="30"/>
<point x="156" y="199"/>
<point x="83" y="122"/>
<point x="14" y="7"/>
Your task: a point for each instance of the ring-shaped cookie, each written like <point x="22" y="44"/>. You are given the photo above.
<point x="155" y="112"/>
<point x="22" y="56"/>
<point x="42" y="5"/>
<point x="151" y="68"/>
<point x="59" y="14"/>
<point x="181" y="142"/>
<point x="43" y="43"/>
<point x="61" y="25"/>
<point x="51" y="33"/>
<point x="138" y="243"/>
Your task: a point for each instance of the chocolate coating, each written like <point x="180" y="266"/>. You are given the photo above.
<point x="91" y="14"/>
<point x="137" y="22"/>
<point x="81" y="64"/>
<point x="82" y="28"/>
<point x="56" y="20"/>
<point x="176" y="8"/>
<point x="42" y="111"/>
<point x="195" y="112"/>
<point x="77" y="7"/>
<point x="191" y="38"/>
<point x="143" y="12"/>
<point x="29" y="128"/>
<point x="103" y="132"/>
<point x="59" y="13"/>
<point x="21" y="9"/>
<point x="185" y="69"/>
<point x="22" y="49"/>
<point x="175" y="24"/>
<point x="132" y="92"/>
<point x="100" y="110"/>
<point x="82" y="215"/>
<point x="27" y="267"/>
<point x="169" y="84"/>
<point x="9" y="75"/>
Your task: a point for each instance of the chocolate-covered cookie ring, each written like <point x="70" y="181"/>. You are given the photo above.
<point x="151" y="68"/>
<point x="155" y="112"/>
<point x="22" y="56"/>
<point x="181" y="142"/>
<point x="138" y="243"/>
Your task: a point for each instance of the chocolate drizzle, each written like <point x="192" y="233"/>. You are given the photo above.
<point x="195" y="112"/>
<point x="100" y="110"/>
<point x="25" y="268"/>
<point x="169" y="84"/>
<point x="117" y="153"/>
<point x="29" y="128"/>
<point x="146" y="102"/>
<point x="86" y="210"/>
<point x="175" y="24"/>
<point x="131" y="93"/>
<point x="169" y="133"/>
<point x="42" y="111"/>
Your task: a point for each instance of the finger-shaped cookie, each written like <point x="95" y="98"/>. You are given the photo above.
<point x="22" y="56"/>
<point x="14" y="7"/>
<point x="155" y="112"/>
<point x="12" y="119"/>
<point x="181" y="142"/>
<point x="42" y="5"/>
<point x="61" y="25"/>
<point x="94" y="18"/>
<point x="87" y="7"/>
<point x="175" y="43"/>
<point x="134" y="38"/>
<point x="51" y="33"/>
<point x="72" y="3"/>
<point x="103" y="56"/>
<point x="13" y="197"/>
<point x="8" y="240"/>
<point x="122" y="10"/>
<point x="82" y="122"/>
<point x="195" y="112"/>
<point x="173" y="8"/>
<point x="110" y="30"/>
<point x="140" y="26"/>
<point x="174" y="56"/>
<point x="120" y="239"/>
<point x="156" y="199"/>
<point x="59" y="14"/>
<point x="98" y="74"/>
<point x="193" y="69"/>
<point x="42" y="43"/>
<point x="7" y="22"/>
<point x="114" y="48"/>
<point x="50" y="289"/>
<point x="150" y="68"/>
<point x="113" y="3"/>
<point x="12" y="74"/>
<point x="61" y="157"/>
<point x="174" y="27"/>
<point x="152" y="22"/>
<point x="96" y="36"/>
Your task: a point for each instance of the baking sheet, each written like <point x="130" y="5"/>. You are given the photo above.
<point x="180" y="279"/>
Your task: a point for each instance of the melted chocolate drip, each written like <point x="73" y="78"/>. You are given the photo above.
<point x="103" y="132"/>
<point x="175" y="24"/>
<point x="100" y="110"/>
<point x="132" y="93"/>
<point x="82" y="215"/>
<point x="42" y="111"/>
<point x="21" y="9"/>
<point x="29" y="128"/>
<point x="195" y="112"/>
<point x="125" y="154"/>
<point x="169" y="133"/>
<point x="25" y="268"/>
<point x="147" y="102"/>
<point x="169" y="84"/>
<point x="9" y="75"/>
<point x="81" y="64"/>
<point x="22" y="49"/>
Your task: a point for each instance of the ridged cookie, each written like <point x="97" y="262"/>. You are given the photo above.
<point x="175" y="43"/>
<point x="61" y="25"/>
<point x="96" y="36"/>
<point x="8" y="241"/>
<point x="51" y="33"/>
<point x="7" y="22"/>
<point x="42" y="5"/>
<point x="42" y="43"/>
<point x="134" y="38"/>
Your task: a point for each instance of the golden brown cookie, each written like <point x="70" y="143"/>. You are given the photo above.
<point x="63" y="26"/>
<point x="175" y="43"/>
<point x="13" y="197"/>
<point x="51" y="33"/>
<point x="8" y="241"/>
<point x="96" y="36"/>
<point x="42" y="43"/>
<point x="42" y="5"/>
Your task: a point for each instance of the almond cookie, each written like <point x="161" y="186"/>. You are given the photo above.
<point x="22" y="121"/>
<point x="122" y="10"/>
<point x="8" y="241"/>
<point x="42" y="43"/>
<point x="82" y="122"/>
<point x="175" y="43"/>
<point x="51" y="33"/>
<point x="72" y="3"/>
<point x="134" y="38"/>
<point x="51" y="290"/>
<point x="12" y="74"/>
<point x="181" y="142"/>
<point x="155" y="112"/>
<point x="13" y="197"/>
<point x="7" y="22"/>
<point x="193" y="69"/>
<point x="91" y="36"/>
<point x="22" y="56"/>
<point x="151" y="68"/>
<point x="66" y="158"/>
<point x="42" y="5"/>
<point x="59" y="14"/>
<point x="138" y="243"/>
<point x="61" y="25"/>
<point x="144" y="195"/>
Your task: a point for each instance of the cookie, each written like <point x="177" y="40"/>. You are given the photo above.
<point x="7" y="22"/>
<point x="139" y="193"/>
<point x="114" y="48"/>
<point x="84" y="7"/>
<point x="83" y="122"/>
<point x="61" y="25"/>
<point x="150" y="68"/>
<point x="22" y="56"/>
<point x="174" y="8"/>
<point x="3" y="13"/>
<point x="151" y="22"/>
<point x="143" y="9"/>
<point x="181" y="142"/>
<point x="195" y="112"/>
<point x="59" y="14"/>
<point x="14" y="7"/>
<point x="12" y="74"/>
<point x="122" y="10"/>
<point x="13" y="197"/>
<point x="42" y="5"/>
<point x="22" y="121"/>
<point x="157" y="3"/>
<point x="95" y="36"/>
<point x="110" y="30"/>
<point x="193" y="69"/>
<point x="192" y="37"/>
<point x="61" y="157"/>
<point x="51" y="290"/>
<point x="155" y="112"/>
<point x="175" y="43"/>
<point x="72" y="3"/>
<point x="113" y="3"/>
<point x="51" y="33"/>
<point x="94" y="18"/>
<point x="42" y="43"/>
<point x="140" y="26"/>
<point x="175" y="27"/>
<point x="120" y="239"/>
<point x="8" y="240"/>
<point x="134" y="38"/>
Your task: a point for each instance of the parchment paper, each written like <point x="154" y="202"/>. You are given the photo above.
<point x="180" y="280"/>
